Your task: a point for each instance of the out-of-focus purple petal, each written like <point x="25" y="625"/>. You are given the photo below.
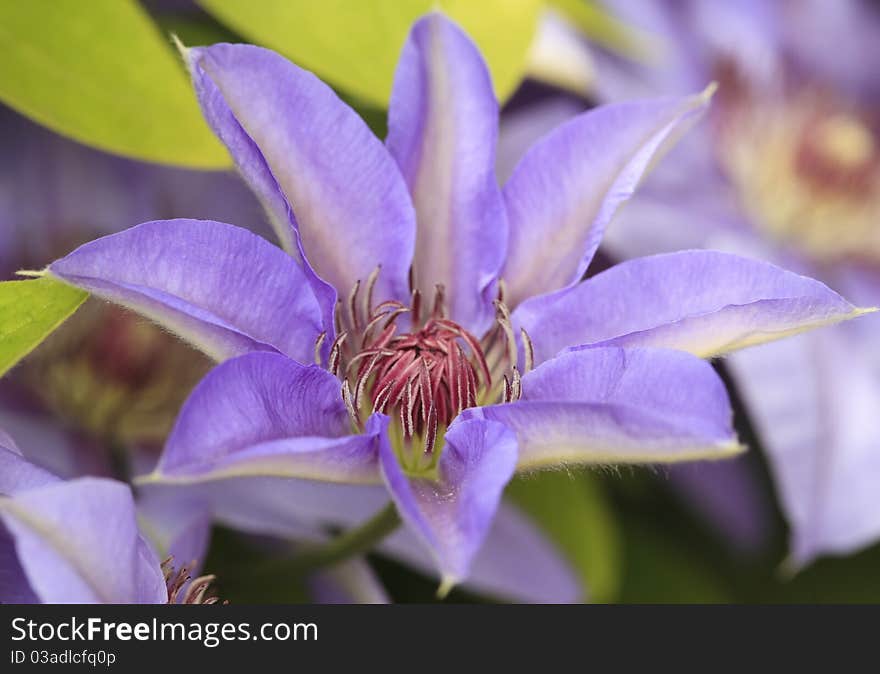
<point x="680" y="43"/>
<point x="669" y="215"/>
<point x="814" y="401"/>
<point x="7" y="443"/>
<point x="332" y="190"/>
<point x="516" y="562"/>
<point x="523" y="127"/>
<point x="352" y="582"/>
<point x="179" y="528"/>
<point x="56" y="194"/>
<point x="729" y="497"/>
<point x="612" y="405"/>
<point x="14" y="585"/>
<point x="284" y="507"/>
<point x="567" y="188"/>
<point x="264" y="414"/>
<point x="453" y="513"/>
<point x="48" y="444"/>
<point x="813" y="30"/>
<point x="16" y="473"/>
<point x="224" y="289"/>
<point x="79" y="542"/>
<point x="705" y="302"/>
<point x="442" y="130"/>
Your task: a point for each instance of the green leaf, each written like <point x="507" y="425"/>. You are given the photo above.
<point x="573" y="511"/>
<point x="354" y="45"/>
<point x="102" y="73"/>
<point x="29" y="311"/>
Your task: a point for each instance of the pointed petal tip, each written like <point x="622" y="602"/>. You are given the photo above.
<point x="709" y="92"/>
<point x="861" y="311"/>
<point x="181" y="48"/>
<point x="717" y="452"/>
<point x="790" y="567"/>
<point x="147" y="479"/>
<point x="446" y="584"/>
<point x="731" y="449"/>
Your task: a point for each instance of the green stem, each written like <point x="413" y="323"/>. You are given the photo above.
<point x="350" y="544"/>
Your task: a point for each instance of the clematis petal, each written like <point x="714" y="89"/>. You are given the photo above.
<point x="17" y="473"/>
<point x="729" y="497"/>
<point x="14" y="585"/>
<point x="7" y="443"/>
<point x="452" y="514"/>
<point x="351" y="582"/>
<point x="78" y="541"/>
<point x="442" y="130"/>
<point x="51" y="446"/>
<point x="265" y="414"/>
<point x="313" y="162"/>
<point x="220" y="287"/>
<point x="613" y="405"/>
<point x="275" y="506"/>
<point x="515" y="563"/>
<point x="566" y="189"/>
<point x="814" y="401"/>
<point x="704" y="302"/>
<point x="179" y="528"/>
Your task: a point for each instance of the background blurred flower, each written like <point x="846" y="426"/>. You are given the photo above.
<point x="787" y="168"/>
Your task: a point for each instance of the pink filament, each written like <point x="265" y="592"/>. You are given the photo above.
<point x="425" y="377"/>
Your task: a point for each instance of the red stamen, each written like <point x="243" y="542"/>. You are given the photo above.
<point x="423" y="378"/>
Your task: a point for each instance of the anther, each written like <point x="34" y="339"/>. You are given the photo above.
<point x="439" y="301"/>
<point x="176" y="579"/>
<point x="516" y="385"/>
<point x="371" y="285"/>
<point x="416" y="304"/>
<point x="431" y="430"/>
<point x="529" y="349"/>
<point x="318" y="344"/>
<point x="336" y="353"/>
<point x="503" y="320"/>
<point x="354" y="315"/>
<point x="349" y="405"/>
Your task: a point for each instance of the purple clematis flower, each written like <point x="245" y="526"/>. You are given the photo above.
<point x="787" y="170"/>
<point x="78" y="541"/>
<point x="107" y="379"/>
<point x="452" y="342"/>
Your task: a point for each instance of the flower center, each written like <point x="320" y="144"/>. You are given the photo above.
<point x="808" y="171"/>
<point x="422" y="378"/>
<point x="112" y="375"/>
<point x="844" y="141"/>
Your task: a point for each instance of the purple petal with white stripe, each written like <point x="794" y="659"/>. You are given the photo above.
<point x="220" y="287"/>
<point x="333" y="192"/>
<point x="263" y="414"/>
<point x="78" y="542"/>
<point x="612" y="405"/>
<point x="453" y="513"/>
<point x="704" y="302"/>
<point x="442" y="130"/>
<point x="566" y="189"/>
